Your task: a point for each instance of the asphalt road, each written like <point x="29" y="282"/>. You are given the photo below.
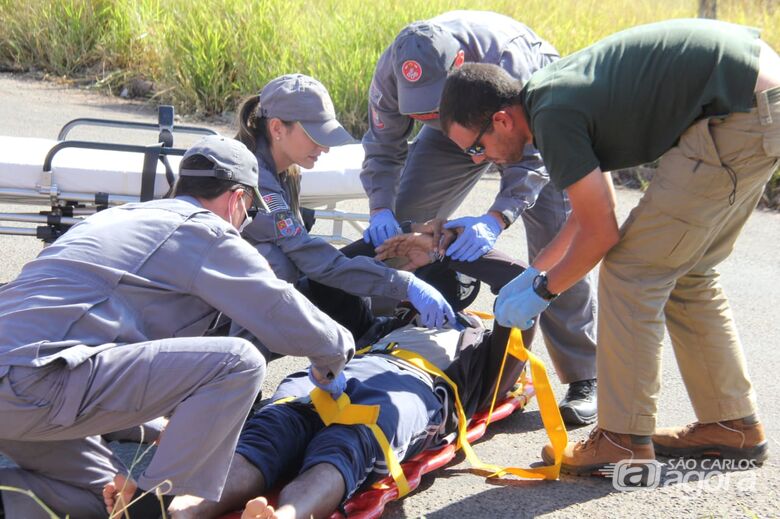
<point x="751" y="277"/>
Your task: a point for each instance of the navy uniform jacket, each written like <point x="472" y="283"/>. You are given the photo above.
<point x="150" y="271"/>
<point x="484" y="37"/>
<point x="283" y="240"/>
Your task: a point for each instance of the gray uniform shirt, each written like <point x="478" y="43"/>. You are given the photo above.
<point x="292" y="252"/>
<point x="484" y="37"/>
<point x="150" y="271"/>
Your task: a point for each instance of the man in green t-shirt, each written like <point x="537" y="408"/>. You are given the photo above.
<point x="702" y="95"/>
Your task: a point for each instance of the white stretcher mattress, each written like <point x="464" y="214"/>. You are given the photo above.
<point x="334" y="177"/>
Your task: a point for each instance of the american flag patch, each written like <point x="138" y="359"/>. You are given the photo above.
<point x="275" y="202"/>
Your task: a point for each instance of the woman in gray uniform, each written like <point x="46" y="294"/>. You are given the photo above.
<point x="289" y="124"/>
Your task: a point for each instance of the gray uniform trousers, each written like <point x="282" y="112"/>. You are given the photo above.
<point x="435" y="180"/>
<point x="206" y="384"/>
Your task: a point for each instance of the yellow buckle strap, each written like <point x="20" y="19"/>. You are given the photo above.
<point x="548" y="408"/>
<point x="343" y="411"/>
<point x="551" y="416"/>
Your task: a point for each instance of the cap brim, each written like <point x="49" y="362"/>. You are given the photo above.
<point x="420" y="99"/>
<point x="259" y="200"/>
<point x="329" y="133"/>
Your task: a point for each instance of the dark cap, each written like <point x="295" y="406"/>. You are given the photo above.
<point x="300" y="98"/>
<point x="422" y="55"/>
<point x="231" y="161"/>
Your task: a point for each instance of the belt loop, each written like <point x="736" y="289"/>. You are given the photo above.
<point x="762" y="103"/>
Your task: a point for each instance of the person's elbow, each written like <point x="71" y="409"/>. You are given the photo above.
<point x="611" y="238"/>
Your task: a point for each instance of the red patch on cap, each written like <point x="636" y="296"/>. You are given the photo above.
<point x="411" y="70"/>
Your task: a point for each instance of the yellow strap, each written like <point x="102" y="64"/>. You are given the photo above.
<point x="548" y="408"/>
<point x="343" y="411"/>
<point x="551" y="416"/>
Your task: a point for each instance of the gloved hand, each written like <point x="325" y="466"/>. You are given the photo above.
<point x="519" y="309"/>
<point x="335" y="387"/>
<point x="478" y="237"/>
<point x="519" y="283"/>
<point x="381" y="226"/>
<point x="431" y="305"/>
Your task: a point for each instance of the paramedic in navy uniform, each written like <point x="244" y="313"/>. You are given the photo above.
<point x="103" y="330"/>
<point x="431" y="177"/>
<point x="288" y="125"/>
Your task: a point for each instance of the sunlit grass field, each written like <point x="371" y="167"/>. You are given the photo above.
<point x="204" y="56"/>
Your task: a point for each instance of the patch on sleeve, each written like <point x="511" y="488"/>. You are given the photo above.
<point x="286" y="225"/>
<point x="275" y="202"/>
<point x="377" y="119"/>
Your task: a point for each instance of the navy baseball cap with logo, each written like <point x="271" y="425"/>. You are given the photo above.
<point x="303" y="99"/>
<point x="422" y="55"/>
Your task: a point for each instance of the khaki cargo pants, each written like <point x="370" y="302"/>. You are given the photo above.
<point x="662" y="272"/>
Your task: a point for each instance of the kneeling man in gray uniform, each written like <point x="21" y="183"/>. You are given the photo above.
<point x="103" y="331"/>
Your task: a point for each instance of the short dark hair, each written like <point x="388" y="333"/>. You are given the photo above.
<point x="207" y="188"/>
<point x="474" y="92"/>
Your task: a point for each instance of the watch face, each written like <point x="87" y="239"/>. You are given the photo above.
<point x="540" y="287"/>
<point x="540" y="283"/>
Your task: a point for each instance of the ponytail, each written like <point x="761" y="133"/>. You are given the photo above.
<point x="251" y="124"/>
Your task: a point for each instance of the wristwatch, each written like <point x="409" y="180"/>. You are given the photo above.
<point x="540" y="287"/>
<point x="506" y="220"/>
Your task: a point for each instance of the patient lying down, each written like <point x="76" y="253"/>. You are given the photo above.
<point x="286" y="441"/>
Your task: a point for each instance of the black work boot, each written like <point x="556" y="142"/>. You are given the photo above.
<point x="578" y="407"/>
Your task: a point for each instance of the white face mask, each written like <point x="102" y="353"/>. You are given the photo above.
<point x="247" y="219"/>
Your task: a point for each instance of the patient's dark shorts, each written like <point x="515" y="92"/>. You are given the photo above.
<point x="284" y="440"/>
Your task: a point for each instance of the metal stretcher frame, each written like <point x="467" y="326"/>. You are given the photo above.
<point x="23" y="181"/>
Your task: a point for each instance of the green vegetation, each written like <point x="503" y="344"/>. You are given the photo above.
<point x="204" y="56"/>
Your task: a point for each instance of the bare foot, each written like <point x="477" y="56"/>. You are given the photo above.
<point x="117" y="494"/>
<point x="258" y="508"/>
<point x="186" y="507"/>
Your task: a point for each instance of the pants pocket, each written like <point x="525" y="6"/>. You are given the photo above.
<point x="654" y="237"/>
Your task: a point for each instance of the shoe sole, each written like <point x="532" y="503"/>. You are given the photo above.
<point x="572" y="417"/>
<point x="759" y="453"/>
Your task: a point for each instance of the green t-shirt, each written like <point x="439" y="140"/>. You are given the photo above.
<point x="626" y="99"/>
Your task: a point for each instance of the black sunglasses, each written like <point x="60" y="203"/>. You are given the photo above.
<point x="476" y="148"/>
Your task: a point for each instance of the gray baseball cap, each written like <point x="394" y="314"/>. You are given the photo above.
<point x="300" y="98"/>
<point x="422" y="55"/>
<point x="232" y="160"/>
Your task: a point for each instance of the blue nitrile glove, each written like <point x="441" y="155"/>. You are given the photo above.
<point x="429" y="302"/>
<point x="519" y="309"/>
<point x="381" y="226"/>
<point x="478" y="237"/>
<point x="519" y="283"/>
<point x="335" y="387"/>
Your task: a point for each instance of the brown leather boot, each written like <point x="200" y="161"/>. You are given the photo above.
<point x="731" y="439"/>
<point x="590" y="457"/>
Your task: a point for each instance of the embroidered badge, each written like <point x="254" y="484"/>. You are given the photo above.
<point x="411" y="70"/>
<point x="376" y="119"/>
<point x="286" y="225"/>
<point x="275" y="202"/>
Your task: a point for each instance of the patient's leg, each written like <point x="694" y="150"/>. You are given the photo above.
<point x="314" y="493"/>
<point x="243" y="482"/>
